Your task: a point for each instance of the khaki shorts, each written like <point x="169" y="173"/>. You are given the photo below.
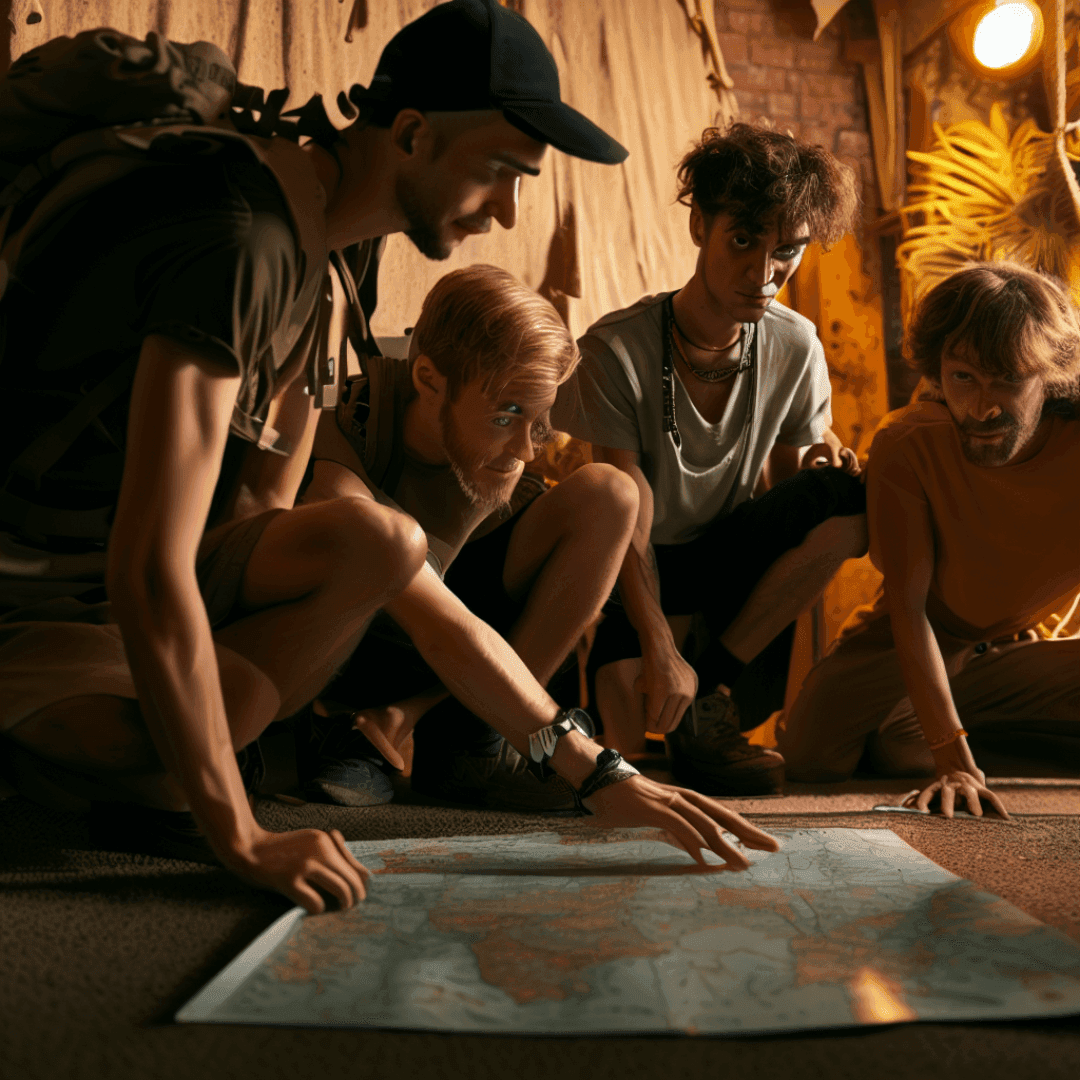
<point x="65" y="648"/>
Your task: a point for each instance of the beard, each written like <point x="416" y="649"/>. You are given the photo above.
<point x="1016" y="435"/>
<point x="480" y="488"/>
<point x="422" y="230"/>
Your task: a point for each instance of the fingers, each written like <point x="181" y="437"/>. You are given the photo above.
<point x="306" y="897"/>
<point x="948" y="799"/>
<point x="927" y="794"/>
<point x="688" y="822"/>
<point x="749" y="834"/>
<point x="996" y="803"/>
<point x="357" y="874"/>
<point x="339" y="840"/>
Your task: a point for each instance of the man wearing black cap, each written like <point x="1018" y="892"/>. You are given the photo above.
<point x="199" y="313"/>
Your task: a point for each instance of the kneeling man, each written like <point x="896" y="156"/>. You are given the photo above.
<point x="693" y="394"/>
<point x="444" y="436"/>
<point x="973" y="521"/>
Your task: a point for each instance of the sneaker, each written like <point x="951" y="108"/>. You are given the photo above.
<point x="337" y="764"/>
<point x="716" y="759"/>
<point x="500" y="781"/>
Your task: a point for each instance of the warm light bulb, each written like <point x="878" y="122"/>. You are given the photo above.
<point x="1004" y="35"/>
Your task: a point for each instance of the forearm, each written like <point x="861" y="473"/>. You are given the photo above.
<point x="639" y="590"/>
<point x="483" y="671"/>
<point x="174" y="665"/>
<point x="925" y="675"/>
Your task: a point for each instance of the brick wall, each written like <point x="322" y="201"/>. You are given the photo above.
<point x="803" y="86"/>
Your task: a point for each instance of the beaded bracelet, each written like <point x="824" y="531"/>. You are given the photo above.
<point x="542" y="743"/>
<point x="610" y="769"/>
<point x="950" y="738"/>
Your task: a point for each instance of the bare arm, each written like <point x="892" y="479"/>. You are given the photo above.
<point x="268" y="481"/>
<point x="487" y="675"/>
<point x="669" y="683"/>
<point x="906" y="544"/>
<point x="181" y="405"/>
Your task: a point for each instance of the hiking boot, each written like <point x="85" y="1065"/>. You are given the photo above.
<point x="500" y="781"/>
<point x="337" y="764"/>
<point x="717" y="759"/>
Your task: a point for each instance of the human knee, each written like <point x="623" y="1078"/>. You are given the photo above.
<point x="840" y="538"/>
<point x="374" y="542"/>
<point x="604" y="493"/>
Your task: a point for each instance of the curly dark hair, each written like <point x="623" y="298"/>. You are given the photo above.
<point x="1010" y="319"/>
<point x="760" y="175"/>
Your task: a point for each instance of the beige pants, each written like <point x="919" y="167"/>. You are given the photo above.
<point x="64" y="648"/>
<point x="1017" y="697"/>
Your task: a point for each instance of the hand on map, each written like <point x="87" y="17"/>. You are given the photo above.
<point x="669" y="684"/>
<point x="299" y="864"/>
<point x="691" y="820"/>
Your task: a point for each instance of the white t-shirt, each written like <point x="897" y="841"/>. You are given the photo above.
<point x="615" y="399"/>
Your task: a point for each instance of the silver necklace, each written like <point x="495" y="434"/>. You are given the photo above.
<point x="709" y="375"/>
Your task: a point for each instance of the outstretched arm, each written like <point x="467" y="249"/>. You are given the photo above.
<point x="668" y="682"/>
<point x="906" y="544"/>
<point x="181" y="405"/>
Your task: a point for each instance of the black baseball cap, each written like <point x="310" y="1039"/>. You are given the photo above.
<point x="467" y="55"/>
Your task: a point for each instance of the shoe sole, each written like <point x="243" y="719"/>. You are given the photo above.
<point x="346" y="796"/>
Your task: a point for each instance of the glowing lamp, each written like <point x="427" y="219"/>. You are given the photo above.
<point x="999" y="38"/>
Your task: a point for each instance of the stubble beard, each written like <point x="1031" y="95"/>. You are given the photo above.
<point x="426" y="236"/>
<point x="466" y="468"/>
<point x="1016" y="436"/>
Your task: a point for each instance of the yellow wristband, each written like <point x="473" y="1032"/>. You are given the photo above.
<point x="950" y="738"/>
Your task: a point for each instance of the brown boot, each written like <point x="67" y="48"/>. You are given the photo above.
<point x="716" y="759"/>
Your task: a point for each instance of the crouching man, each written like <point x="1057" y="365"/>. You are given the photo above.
<point x="973" y="521"/>
<point x="693" y="394"/>
<point x="444" y="437"/>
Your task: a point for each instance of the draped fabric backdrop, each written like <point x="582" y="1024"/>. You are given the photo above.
<point x="590" y="237"/>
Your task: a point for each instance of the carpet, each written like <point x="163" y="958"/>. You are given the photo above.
<point x="100" y="949"/>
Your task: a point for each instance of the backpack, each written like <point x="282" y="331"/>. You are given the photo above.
<point x="79" y="113"/>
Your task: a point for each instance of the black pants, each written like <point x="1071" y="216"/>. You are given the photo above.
<point x="715" y="574"/>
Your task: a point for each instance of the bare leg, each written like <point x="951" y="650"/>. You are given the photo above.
<point x="566" y="551"/>
<point x="320" y="572"/>
<point x="793" y="583"/>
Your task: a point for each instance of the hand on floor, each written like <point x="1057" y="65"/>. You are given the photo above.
<point x="971" y="786"/>
<point x="692" y="821"/>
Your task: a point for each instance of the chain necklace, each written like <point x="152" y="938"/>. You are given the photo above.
<point x="709" y="375"/>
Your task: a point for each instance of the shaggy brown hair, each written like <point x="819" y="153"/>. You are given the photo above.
<point x="759" y="175"/>
<point x="1009" y="319"/>
<point x="481" y="322"/>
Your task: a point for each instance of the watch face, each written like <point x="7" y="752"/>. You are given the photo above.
<point x="582" y="721"/>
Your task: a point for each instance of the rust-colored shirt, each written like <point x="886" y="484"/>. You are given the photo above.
<point x="1007" y="538"/>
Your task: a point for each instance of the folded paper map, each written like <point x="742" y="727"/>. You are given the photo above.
<point x="590" y="934"/>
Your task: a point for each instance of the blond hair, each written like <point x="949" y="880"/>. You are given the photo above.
<point x="482" y="323"/>
<point x="1010" y="319"/>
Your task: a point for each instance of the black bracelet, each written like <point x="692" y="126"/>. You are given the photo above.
<point x="610" y="769"/>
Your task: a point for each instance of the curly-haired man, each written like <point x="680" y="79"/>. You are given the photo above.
<point x="973" y="520"/>
<point x="705" y="395"/>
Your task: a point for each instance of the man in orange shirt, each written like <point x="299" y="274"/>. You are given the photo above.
<point x="974" y="521"/>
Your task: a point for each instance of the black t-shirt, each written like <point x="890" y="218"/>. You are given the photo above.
<point x="201" y="252"/>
